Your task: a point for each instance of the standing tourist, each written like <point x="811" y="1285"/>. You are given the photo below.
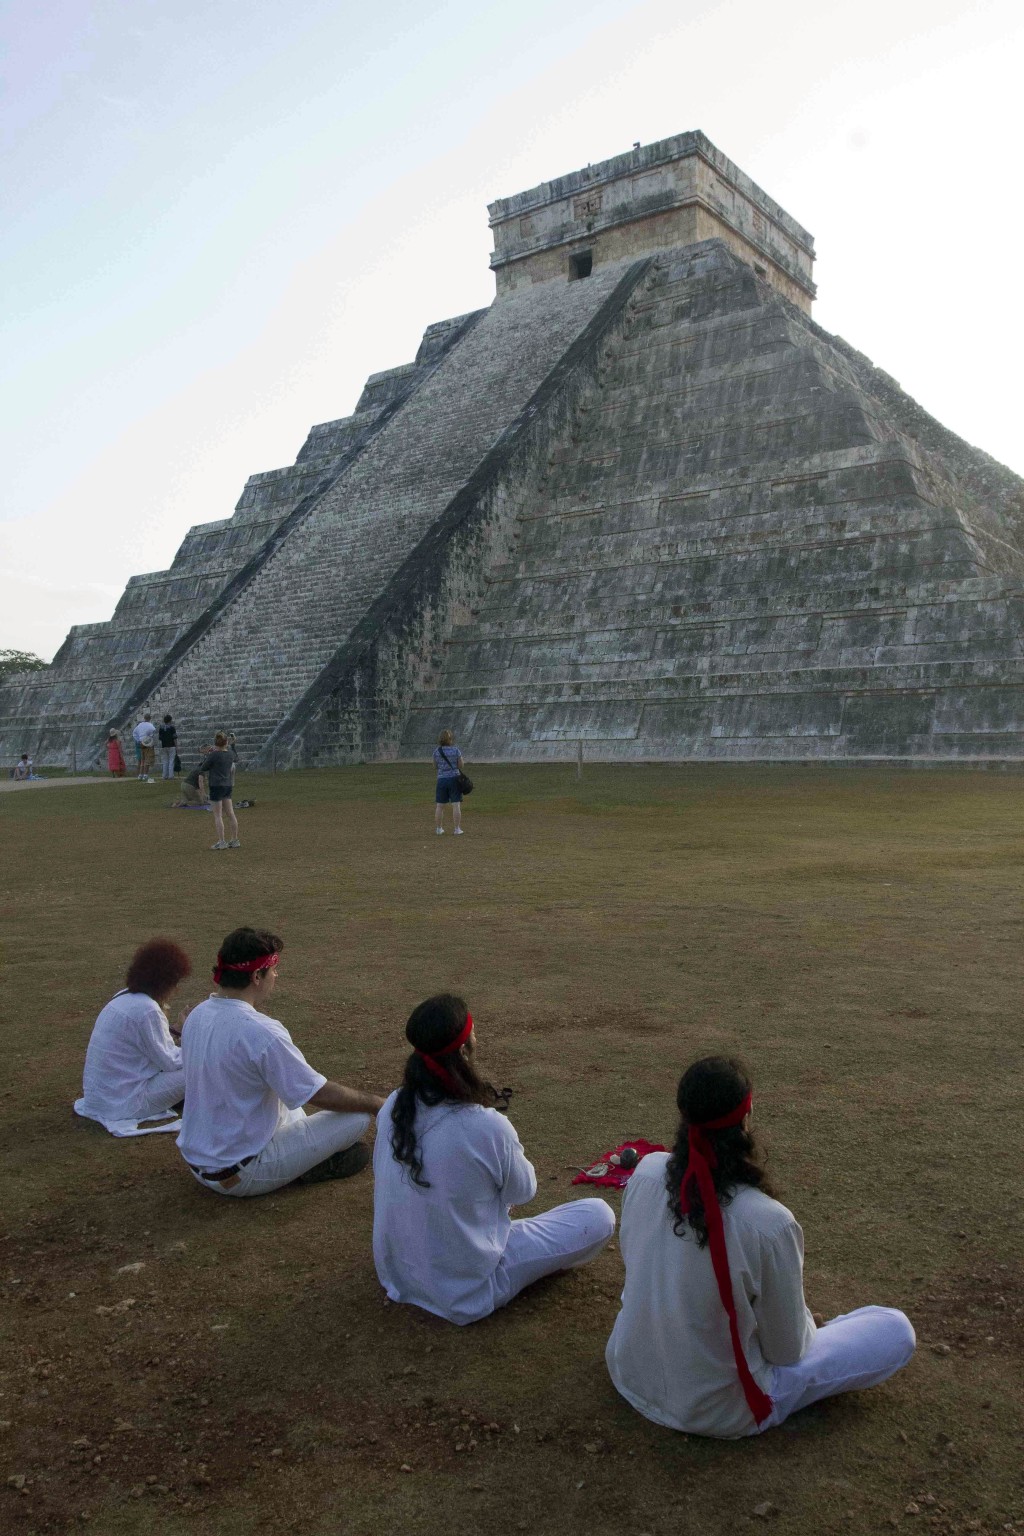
<point x="115" y="757"/>
<point x="448" y="1168"/>
<point x="168" y="747"/>
<point x="714" y="1336"/>
<point x="133" y="1067"/>
<point x="145" y="735"/>
<point x="219" y="767"/>
<point x="244" y="1129"/>
<point x="448" y="762"/>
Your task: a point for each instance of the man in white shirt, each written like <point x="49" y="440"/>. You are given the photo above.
<point x="244" y="1127"/>
<point x="145" y="735"/>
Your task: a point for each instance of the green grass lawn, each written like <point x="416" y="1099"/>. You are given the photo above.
<point x="853" y="934"/>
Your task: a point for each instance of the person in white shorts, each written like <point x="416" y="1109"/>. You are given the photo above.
<point x="133" y="1065"/>
<point x="247" y="1085"/>
<point x="448" y="1168"/>
<point x="714" y="1336"/>
<point x="144" y="735"/>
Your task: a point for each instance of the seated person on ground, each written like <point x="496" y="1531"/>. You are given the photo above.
<point x="192" y="792"/>
<point x="447" y="1170"/>
<point x="244" y="1130"/>
<point x="23" y="768"/>
<point x="714" y="1336"/>
<point x="133" y="1065"/>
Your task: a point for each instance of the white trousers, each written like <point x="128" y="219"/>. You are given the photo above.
<point x="858" y="1349"/>
<point x="163" y="1090"/>
<point x="167" y="755"/>
<point x="298" y="1144"/>
<point x="562" y="1238"/>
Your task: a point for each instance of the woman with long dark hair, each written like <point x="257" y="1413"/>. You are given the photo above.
<point x="714" y="1336"/>
<point x="133" y="1069"/>
<point x="448" y="1168"/>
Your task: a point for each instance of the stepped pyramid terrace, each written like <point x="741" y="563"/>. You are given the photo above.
<point x="641" y="502"/>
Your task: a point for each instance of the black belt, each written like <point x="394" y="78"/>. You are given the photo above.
<point x="223" y="1173"/>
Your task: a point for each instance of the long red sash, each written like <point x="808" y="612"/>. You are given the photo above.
<point x="702" y="1160"/>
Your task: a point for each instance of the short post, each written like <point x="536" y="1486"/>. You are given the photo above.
<point x="74" y="758"/>
<point x="579" y="758"/>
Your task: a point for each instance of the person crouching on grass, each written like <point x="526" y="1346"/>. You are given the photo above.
<point x="447" y="1169"/>
<point x="714" y="1336"/>
<point x="244" y="1127"/>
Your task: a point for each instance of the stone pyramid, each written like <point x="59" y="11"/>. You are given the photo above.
<point x="642" y="503"/>
<point x="749" y="543"/>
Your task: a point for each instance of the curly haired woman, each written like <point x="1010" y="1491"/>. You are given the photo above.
<point x="714" y="1336"/>
<point x="448" y="1168"/>
<point x="133" y="1065"/>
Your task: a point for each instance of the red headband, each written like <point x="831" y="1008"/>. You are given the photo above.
<point x="261" y="963"/>
<point x="702" y="1159"/>
<point x="430" y="1061"/>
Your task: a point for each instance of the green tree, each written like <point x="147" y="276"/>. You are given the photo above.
<point x="19" y="661"/>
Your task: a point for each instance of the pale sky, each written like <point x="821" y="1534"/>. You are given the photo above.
<point x="222" y="215"/>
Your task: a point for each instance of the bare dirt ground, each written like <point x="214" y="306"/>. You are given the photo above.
<point x="180" y="1363"/>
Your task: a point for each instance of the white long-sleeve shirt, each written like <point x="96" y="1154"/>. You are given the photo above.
<point x="130" y="1044"/>
<point x="670" y="1352"/>
<point x="440" y="1248"/>
<point x="243" y="1073"/>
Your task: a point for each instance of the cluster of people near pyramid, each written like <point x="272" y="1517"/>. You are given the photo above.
<point x="713" y="1337"/>
<point x="210" y="784"/>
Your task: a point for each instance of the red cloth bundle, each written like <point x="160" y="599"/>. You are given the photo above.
<point x="611" y="1174"/>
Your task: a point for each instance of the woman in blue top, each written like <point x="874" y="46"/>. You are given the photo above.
<point x="448" y="762"/>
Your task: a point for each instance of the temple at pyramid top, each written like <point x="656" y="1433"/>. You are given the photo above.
<point x="672" y="193"/>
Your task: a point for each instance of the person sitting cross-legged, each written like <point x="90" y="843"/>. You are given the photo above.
<point x="714" y="1336"/>
<point x="133" y="1068"/>
<point x="244" y="1127"/>
<point x="448" y="1168"/>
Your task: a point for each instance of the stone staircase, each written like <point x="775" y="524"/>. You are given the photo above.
<point x="750" y="545"/>
<point x="105" y="674"/>
<point x="657" y="511"/>
<point x="279" y="636"/>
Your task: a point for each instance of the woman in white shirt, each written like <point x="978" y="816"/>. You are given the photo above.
<point x="447" y="1169"/>
<point x="133" y="1067"/>
<point x="714" y="1336"/>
